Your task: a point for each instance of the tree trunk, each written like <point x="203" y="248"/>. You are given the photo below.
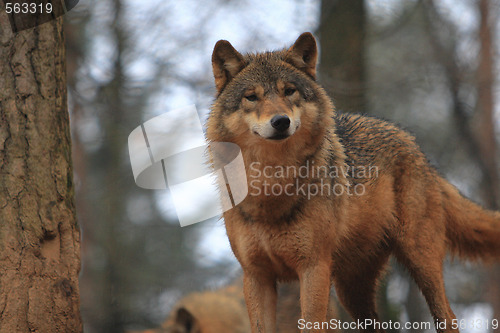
<point x="486" y="134"/>
<point x="484" y="108"/>
<point x="480" y="142"/>
<point x="39" y="235"/>
<point x="415" y="306"/>
<point x="342" y="58"/>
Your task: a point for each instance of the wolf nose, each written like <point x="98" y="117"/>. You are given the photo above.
<point x="281" y="123"/>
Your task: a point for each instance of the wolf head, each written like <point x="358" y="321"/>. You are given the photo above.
<point x="267" y="98"/>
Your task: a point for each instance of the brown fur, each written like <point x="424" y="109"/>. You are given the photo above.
<point x="407" y="210"/>
<point x="220" y="311"/>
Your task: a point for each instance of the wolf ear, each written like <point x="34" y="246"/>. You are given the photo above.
<point x="187" y="321"/>
<point x="303" y="54"/>
<point x="226" y="63"/>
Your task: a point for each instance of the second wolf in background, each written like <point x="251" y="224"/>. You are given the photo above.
<point x="224" y="311"/>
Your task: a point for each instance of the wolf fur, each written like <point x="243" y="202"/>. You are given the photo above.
<point x="342" y="238"/>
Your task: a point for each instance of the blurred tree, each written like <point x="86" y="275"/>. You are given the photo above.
<point x="485" y="107"/>
<point x="39" y="235"/>
<point x="478" y="129"/>
<point x="487" y="131"/>
<point x="410" y="60"/>
<point x="113" y="193"/>
<point x="342" y="54"/>
<point x="132" y="254"/>
<point x="416" y="307"/>
<point x="342" y="71"/>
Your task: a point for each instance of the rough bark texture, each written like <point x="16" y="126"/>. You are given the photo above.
<point x="39" y="235"/>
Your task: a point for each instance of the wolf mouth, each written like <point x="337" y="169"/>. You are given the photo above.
<point x="275" y="137"/>
<point x="280" y="136"/>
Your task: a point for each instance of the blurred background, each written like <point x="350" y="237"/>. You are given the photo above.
<point x="430" y="66"/>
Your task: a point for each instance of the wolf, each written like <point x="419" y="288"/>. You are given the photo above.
<point x="315" y="226"/>
<point x="223" y="311"/>
<point x="216" y="311"/>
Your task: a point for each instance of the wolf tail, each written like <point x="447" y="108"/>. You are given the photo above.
<point x="472" y="231"/>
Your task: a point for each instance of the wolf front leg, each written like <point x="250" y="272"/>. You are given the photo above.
<point x="315" y="286"/>
<point x="260" y="297"/>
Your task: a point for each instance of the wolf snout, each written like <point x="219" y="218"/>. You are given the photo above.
<point x="280" y="123"/>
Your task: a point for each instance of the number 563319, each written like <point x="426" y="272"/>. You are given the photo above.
<point x="28" y="8"/>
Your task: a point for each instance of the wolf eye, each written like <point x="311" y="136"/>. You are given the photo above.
<point x="251" y="98"/>
<point x="289" y="91"/>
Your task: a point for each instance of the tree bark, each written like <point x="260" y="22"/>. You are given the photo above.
<point x="39" y="235"/>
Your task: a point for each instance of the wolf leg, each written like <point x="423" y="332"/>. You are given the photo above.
<point x="260" y="297"/>
<point x="424" y="261"/>
<point x="356" y="288"/>
<point x="315" y="286"/>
